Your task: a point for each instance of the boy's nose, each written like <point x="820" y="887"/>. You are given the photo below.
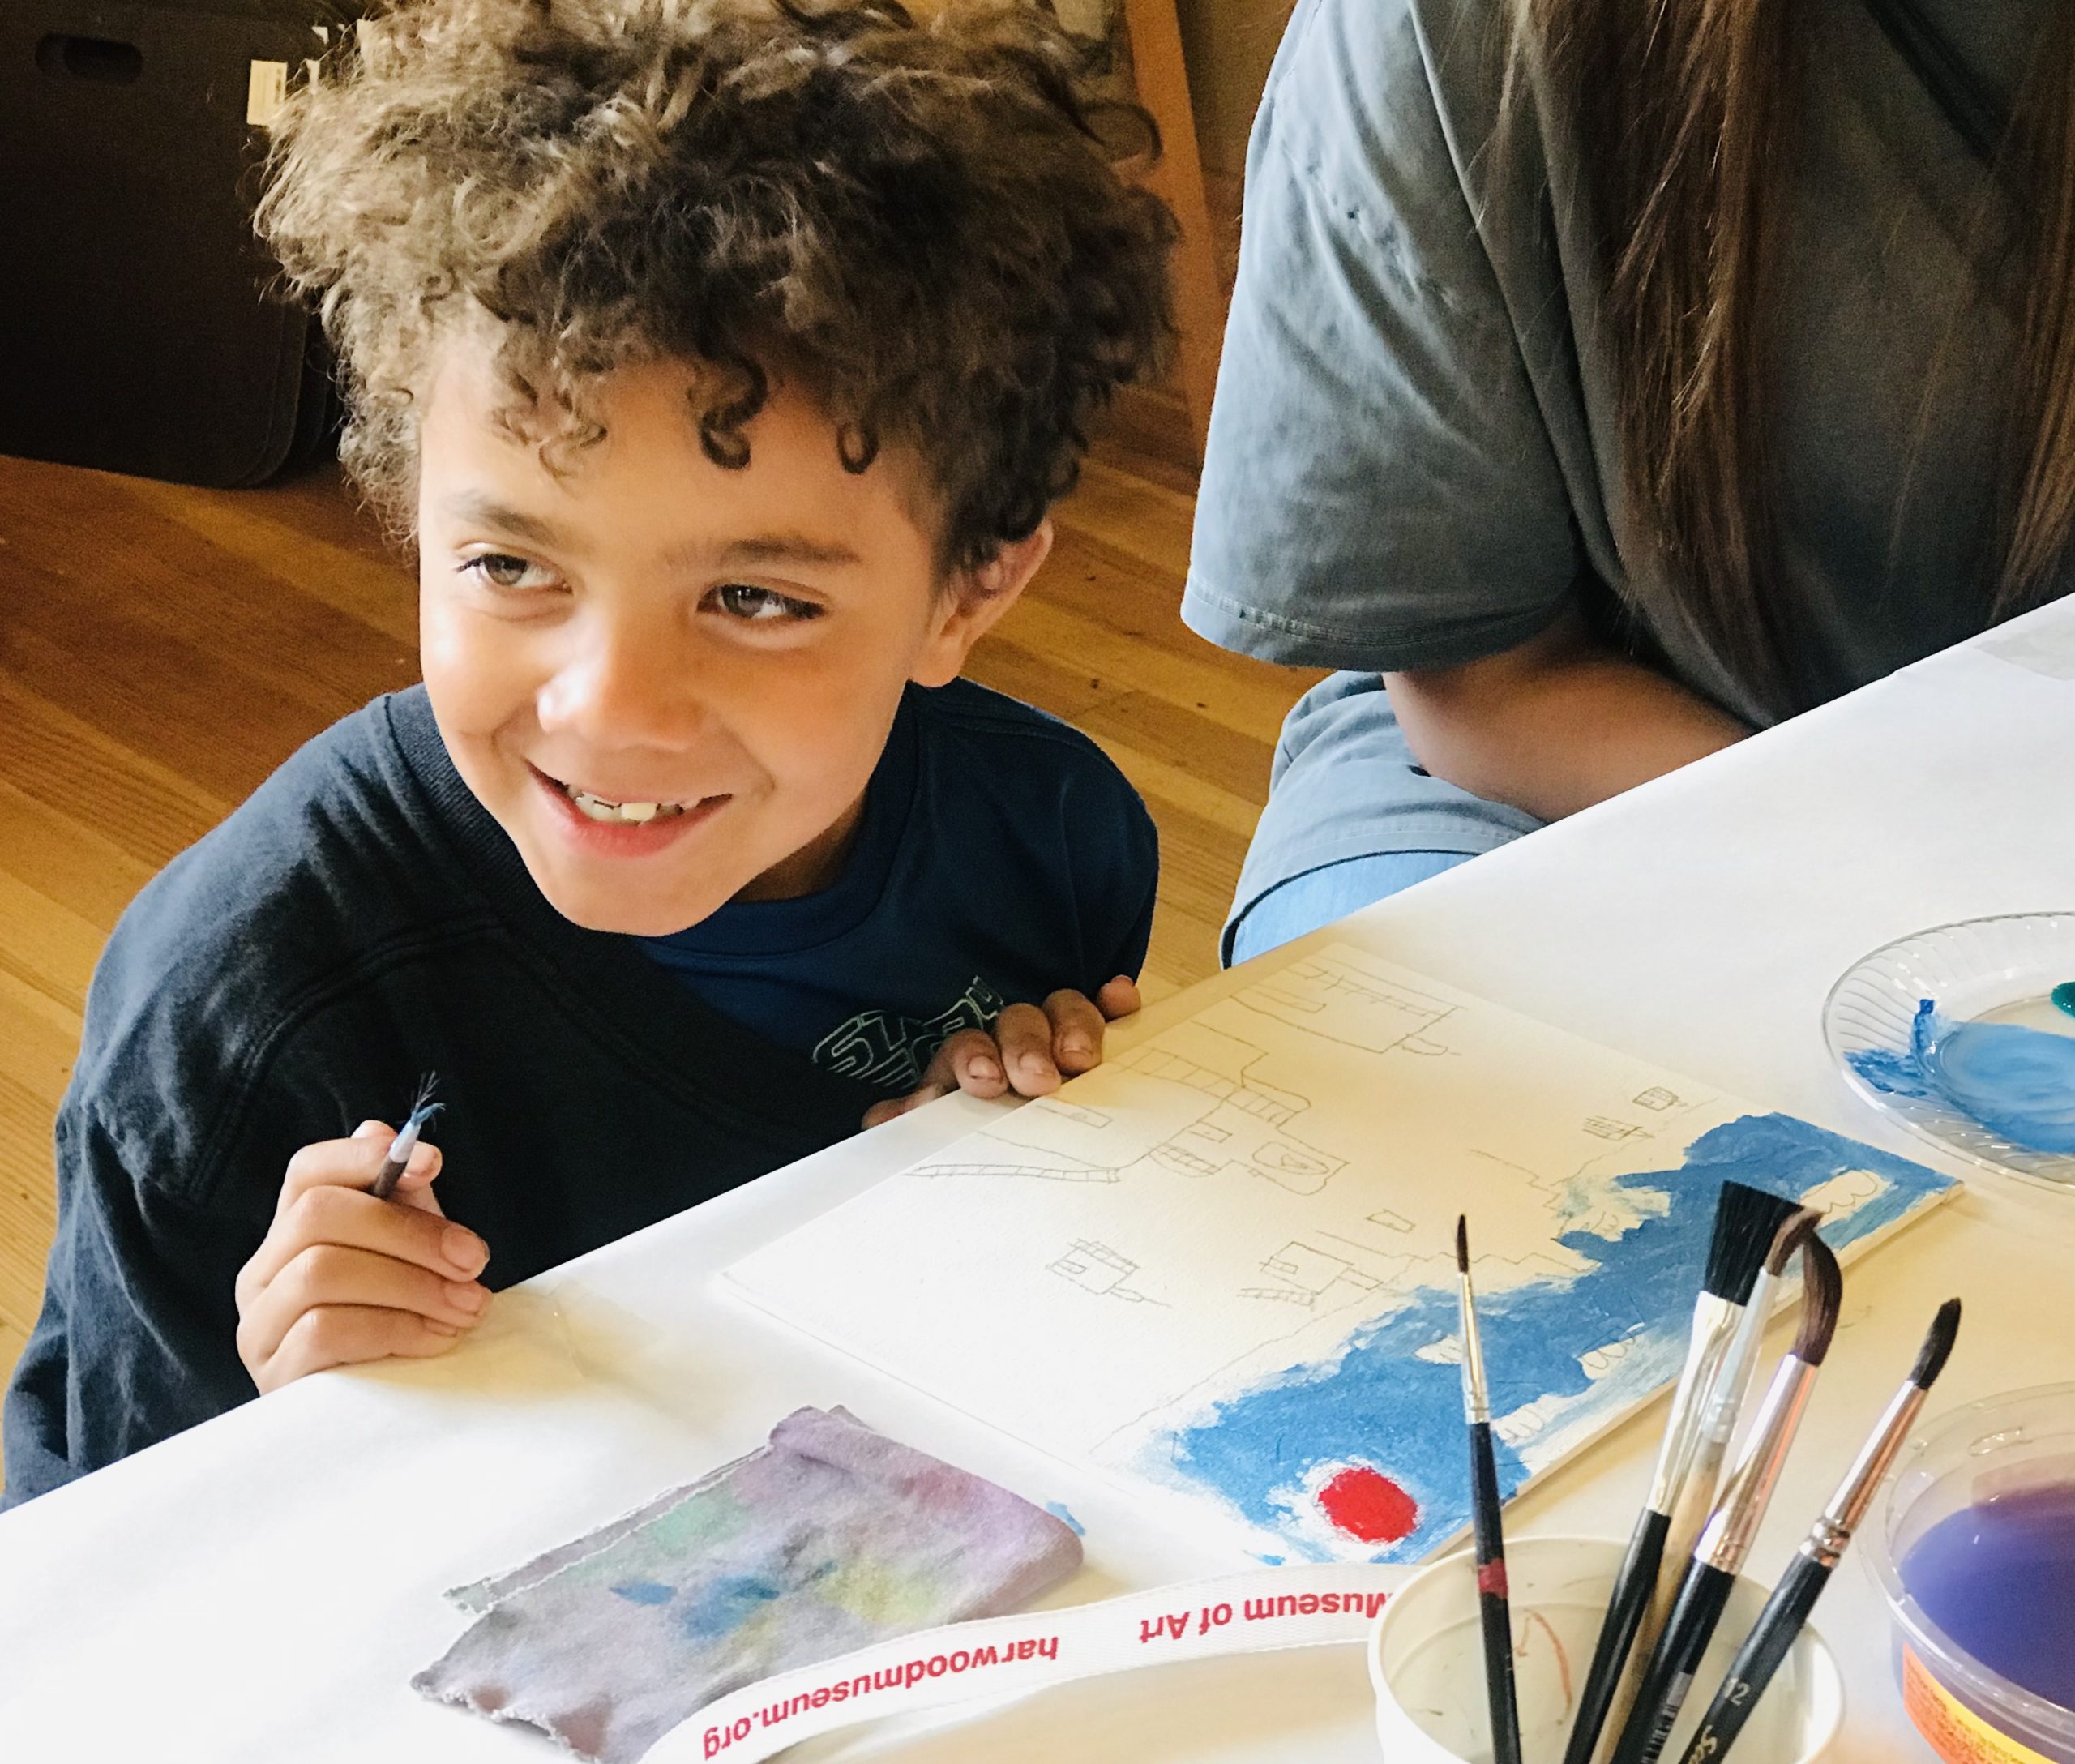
<point x="625" y="688"/>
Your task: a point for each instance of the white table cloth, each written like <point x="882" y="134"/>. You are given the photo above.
<point x="263" y="1586"/>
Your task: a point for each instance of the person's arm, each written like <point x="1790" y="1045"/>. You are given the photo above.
<point x="135" y="1339"/>
<point x="1556" y="724"/>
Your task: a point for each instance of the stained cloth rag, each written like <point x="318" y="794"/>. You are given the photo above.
<point x="828" y="1538"/>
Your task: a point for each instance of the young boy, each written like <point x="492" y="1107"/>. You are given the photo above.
<point x="723" y="359"/>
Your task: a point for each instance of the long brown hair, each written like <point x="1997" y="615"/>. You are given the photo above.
<point x="1682" y="111"/>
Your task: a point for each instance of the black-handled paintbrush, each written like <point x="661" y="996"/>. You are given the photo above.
<point x="406" y="1141"/>
<point x="1794" y="1597"/>
<point x="1747" y="1221"/>
<point x="1721" y="1408"/>
<point x="1492" y="1603"/>
<point x="1724" y="1544"/>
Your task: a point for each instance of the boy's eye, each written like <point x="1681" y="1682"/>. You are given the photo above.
<point x="761" y="606"/>
<point x="512" y="575"/>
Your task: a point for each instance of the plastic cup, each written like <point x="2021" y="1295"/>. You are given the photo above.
<point x="1965" y="1710"/>
<point x="1427" y="1662"/>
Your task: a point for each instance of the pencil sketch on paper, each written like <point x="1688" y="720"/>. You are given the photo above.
<point x="1218" y="1270"/>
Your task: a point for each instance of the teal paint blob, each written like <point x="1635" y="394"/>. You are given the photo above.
<point x="2064" y="996"/>
<point x="2017" y="1082"/>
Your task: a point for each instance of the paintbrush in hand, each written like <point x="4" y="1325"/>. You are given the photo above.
<point x="1794" y="1597"/>
<point x="1747" y="1222"/>
<point x="1727" y="1541"/>
<point x="1491" y="1600"/>
<point x="406" y="1141"/>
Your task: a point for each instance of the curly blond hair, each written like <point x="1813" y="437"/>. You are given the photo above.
<point x="922" y="222"/>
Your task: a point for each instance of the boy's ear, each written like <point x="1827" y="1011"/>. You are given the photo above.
<point x="972" y="600"/>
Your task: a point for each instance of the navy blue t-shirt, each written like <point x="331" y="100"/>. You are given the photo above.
<point x="1001" y="857"/>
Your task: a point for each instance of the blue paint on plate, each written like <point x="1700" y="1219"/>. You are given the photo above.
<point x="2018" y="1083"/>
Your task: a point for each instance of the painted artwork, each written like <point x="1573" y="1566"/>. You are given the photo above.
<point x="1219" y="1270"/>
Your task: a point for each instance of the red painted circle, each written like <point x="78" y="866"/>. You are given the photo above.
<point x="1366" y="1503"/>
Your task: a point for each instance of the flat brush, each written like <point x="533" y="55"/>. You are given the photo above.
<point x="1719" y="1410"/>
<point x="1492" y="1604"/>
<point x="1727" y="1541"/>
<point x="1794" y="1597"/>
<point x="406" y="1141"/>
<point x="1747" y="1222"/>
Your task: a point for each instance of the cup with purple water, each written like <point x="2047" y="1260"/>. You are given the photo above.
<point x="1973" y="1542"/>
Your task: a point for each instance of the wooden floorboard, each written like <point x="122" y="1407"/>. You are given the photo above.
<point x="162" y="649"/>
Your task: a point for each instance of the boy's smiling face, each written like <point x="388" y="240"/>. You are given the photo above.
<point x="669" y="682"/>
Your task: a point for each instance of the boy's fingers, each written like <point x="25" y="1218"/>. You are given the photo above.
<point x="330" y="1215"/>
<point x="353" y="1163"/>
<point x="348" y="1335"/>
<point x="1076" y="1031"/>
<point x="1025" y="1035"/>
<point x="414" y="1187"/>
<point x="330" y="1276"/>
<point x="970" y="1061"/>
<point x="880" y="1113"/>
<point x="1119" y="997"/>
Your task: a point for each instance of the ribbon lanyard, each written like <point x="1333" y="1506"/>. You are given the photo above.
<point x="995" y="1657"/>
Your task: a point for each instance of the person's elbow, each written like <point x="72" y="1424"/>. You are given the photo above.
<point x="1462" y="723"/>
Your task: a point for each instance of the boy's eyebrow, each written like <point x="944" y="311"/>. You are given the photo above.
<point x="784" y="548"/>
<point x="473" y="509"/>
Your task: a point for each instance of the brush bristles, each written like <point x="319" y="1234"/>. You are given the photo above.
<point x="1798" y="1228"/>
<point x="1937" y="1345"/>
<point x="1822" y="1290"/>
<point x="1747" y="1220"/>
<point x="1462" y="1244"/>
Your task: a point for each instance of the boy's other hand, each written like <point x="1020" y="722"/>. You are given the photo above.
<point x="342" y="1276"/>
<point x="1031" y="1051"/>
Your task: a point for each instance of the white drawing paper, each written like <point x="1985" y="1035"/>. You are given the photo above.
<point x="1220" y="1268"/>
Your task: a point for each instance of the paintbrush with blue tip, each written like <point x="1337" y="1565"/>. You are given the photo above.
<point x="1492" y="1602"/>
<point x="1724" y="1545"/>
<point x="1747" y="1222"/>
<point x="406" y="1141"/>
<point x="1786" y="1611"/>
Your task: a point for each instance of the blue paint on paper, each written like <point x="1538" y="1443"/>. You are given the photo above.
<point x="645" y="1592"/>
<point x="2018" y="1083"/>
<point x="1375" y="1402"/>
<point x="1057" y="1510"/>
<point x="726" y="1605"/>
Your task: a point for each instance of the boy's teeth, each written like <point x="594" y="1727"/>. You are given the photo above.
<point x="598" y="808"/>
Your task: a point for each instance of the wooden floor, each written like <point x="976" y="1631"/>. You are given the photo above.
<point x="162" y="649"/>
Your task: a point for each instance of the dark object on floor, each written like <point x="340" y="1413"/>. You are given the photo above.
<point x="136" y="334"/>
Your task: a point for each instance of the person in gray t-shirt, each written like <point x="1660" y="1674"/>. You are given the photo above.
<point x="1418" y="469"/>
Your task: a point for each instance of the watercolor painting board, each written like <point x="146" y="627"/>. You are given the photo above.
<point x="1219" y="1271"/>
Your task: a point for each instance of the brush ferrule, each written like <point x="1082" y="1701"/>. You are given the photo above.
<point x="1727" y="1541"/>
<point x="1714" y="1330"/>
<point x="1476" y="1398"/>
<point x="1855" y="1494"/>
<point x="1739" y="1362"/>
<point x="1824" y="1545"/>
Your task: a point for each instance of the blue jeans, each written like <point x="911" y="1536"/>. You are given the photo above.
<point x="1351" y="817"/>
<point x="1333" y="891"/>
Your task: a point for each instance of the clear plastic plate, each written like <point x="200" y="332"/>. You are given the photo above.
<point x="2003" y="971"/>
